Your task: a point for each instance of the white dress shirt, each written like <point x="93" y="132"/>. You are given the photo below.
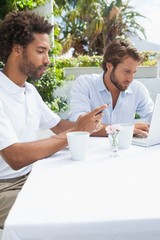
<point x="90" y="92"/>
<point x="22" y="113"/>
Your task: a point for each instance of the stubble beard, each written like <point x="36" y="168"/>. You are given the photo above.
<point x="114" y="80"/>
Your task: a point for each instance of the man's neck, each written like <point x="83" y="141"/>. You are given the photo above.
<point x="111" y="88"/>
<point x="14" y="75"/>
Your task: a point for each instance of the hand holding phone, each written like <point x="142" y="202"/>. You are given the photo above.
<point x="99" y="112"/>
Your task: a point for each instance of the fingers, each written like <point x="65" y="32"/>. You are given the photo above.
<point x="97" y="116"/>
<point x="141" y="130"/>
<point x="141" y="134"/>
<point x="98" y="110"/>
<point x="98" y="126"/>
<point x="142" y="126"/>
<point x="90" y="121"/>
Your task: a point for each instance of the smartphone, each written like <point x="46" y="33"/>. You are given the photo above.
<point x="99" y="112"/>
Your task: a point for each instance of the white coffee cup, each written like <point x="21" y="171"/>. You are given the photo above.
<point x="78" y="144"/>
<point x="125" y="135"/>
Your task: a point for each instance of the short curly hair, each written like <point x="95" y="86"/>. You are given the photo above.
<point x="117" y="51"/>
<point x="18" y="28"/>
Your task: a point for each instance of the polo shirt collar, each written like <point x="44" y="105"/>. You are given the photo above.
<point x="10" y="86"/>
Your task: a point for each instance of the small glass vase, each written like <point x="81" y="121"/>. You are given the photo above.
<point x="113" y="144"/>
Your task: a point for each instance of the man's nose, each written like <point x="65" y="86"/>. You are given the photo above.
<point x="130" y="77"/>
<point x="46" y="59"/>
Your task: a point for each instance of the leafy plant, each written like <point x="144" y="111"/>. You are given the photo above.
<point x="1" y="65"/>
<point x="137" y="116"/>
<point x="28" y="4"/>
<point x="149" y="59"/>
<point x="88" y="26"/>
<point x="52" y="79"/>
<point x="9" y="5"/>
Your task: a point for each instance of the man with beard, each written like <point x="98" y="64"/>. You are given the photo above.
<point x="24" y="47"/>
<point x="115" y="86"/>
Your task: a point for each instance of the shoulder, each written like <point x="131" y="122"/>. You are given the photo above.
<point x="33" y="93"/>
<point x="89" y="79"/>
<point x="138" y="86"/>
<point x="140" y="92"/>
<point x="32" y="88"/>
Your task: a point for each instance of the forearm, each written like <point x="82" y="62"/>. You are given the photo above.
<point x="62" y="126"/>
<point x="20" y="155"/>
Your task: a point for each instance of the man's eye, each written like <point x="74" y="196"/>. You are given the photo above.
<point x="39" y="51"/>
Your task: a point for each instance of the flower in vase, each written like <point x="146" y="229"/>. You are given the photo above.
<point x="112" y="131"/>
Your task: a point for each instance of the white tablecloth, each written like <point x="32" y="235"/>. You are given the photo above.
<point x="100" y="198"/>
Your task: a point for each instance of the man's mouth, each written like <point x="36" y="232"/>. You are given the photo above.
<point x="42" y="69"/>
<point x="126" y="83"/>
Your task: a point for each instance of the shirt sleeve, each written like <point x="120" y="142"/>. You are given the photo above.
<point x="48" y="118"/>
<point x="80" y="101"/>
<point x="7" y="133"/>
<point x="145" y="104"/>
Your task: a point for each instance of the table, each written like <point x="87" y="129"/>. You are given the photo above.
<point x="100" y="198"/>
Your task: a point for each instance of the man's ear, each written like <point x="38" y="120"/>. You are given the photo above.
<point x="109" y="66"/>
<point x="17" y="49"/>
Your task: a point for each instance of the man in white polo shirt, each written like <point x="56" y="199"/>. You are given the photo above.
<point x="24" y="47"/>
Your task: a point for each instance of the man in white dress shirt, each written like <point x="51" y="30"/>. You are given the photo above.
<point x="24" y="47"/>
<point x="115" y="86"/>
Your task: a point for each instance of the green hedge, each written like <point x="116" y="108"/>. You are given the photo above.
<point x="95" y="61"/>
<point x="52" y="79"/>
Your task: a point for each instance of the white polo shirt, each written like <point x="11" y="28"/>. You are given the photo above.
<point x="22" y="114"/>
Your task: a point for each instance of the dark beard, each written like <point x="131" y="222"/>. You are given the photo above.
<point x="29" y="69"/>
<point x="115" y="82"/>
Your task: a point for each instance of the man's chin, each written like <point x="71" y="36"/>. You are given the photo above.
<point x="124" y="87"/>
<point x="38" y="76"/>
